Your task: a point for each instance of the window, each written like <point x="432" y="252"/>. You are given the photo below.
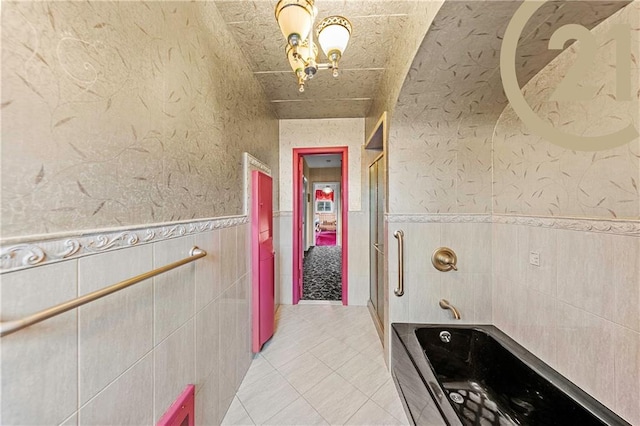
<point x="324" y="206"/>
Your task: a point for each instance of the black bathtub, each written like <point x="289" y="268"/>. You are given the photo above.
<point x="477" y="375"/>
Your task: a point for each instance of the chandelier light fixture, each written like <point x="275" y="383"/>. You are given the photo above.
<point x="295" y="18"/>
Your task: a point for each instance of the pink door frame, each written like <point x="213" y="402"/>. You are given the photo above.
<point x="298" y="153"/>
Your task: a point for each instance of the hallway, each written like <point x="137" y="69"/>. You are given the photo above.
<point x="323" y="366"/>
<point x="322" y="273"/>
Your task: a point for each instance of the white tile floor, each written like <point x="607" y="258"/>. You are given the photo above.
<point x="324" y="366"/>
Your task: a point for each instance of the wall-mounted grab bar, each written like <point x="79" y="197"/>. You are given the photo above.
<point x="399" y="291"/>
<point x="8" y="327"/>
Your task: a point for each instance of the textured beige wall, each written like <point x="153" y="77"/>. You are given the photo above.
<point x="326" y="174"/>
<point x="124" y="113"/>
<point x="406" y="43"/>
<point x="328" y="132"/>
<point x="535" y="177"/>
<point x="579" y="310"/>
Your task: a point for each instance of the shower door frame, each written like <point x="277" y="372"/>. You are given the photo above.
<point x="298" y="153"/>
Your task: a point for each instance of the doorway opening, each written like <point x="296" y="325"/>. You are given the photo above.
<point x="320" y="228"/>
<point x="375" y="152"/>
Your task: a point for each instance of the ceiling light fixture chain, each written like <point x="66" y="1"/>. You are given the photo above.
<point x="295" y="18"/>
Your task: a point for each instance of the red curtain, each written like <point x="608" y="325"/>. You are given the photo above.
<point x="323" y="196"/>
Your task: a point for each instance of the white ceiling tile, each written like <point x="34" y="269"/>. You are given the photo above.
<point x="322" y="109"/>
<point x="348" y="85"/>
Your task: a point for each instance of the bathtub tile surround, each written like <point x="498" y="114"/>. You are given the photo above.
<point x="468" y="289"/>
<point x="128" y="349"/>
<point x="336" y="377"/>
<point x="574" y="308"/>
<point x="577" y="211"/>
<point x="571" y="319"/>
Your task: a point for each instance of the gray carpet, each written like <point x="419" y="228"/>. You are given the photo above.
<point x="322" y="273"/>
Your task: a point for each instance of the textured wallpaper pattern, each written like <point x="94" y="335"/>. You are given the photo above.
<point x="535" y="177"/>
<point x="124" y="113"/>
<point x="327" y="132"/>
<point x="405" y="44"/>
<point x="441" y="133"/>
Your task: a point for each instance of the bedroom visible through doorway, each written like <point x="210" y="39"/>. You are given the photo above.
<point x="322" y="263"/>
<point x="320" y="224"/>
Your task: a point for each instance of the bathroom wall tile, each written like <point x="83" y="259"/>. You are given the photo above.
<point x="228" y="256"/>
<point x="586" y="284"/>
<point x="285" y="261"/>
<point x="420" y="240"/>
<point x="243" y="329"/>
<point x="626" y="280"/>
<point x="123" y="319"/>
<point x="543" y="242"/>
<point x="359" y="242"/>
<point x="174" y="291"/>
<point x="39" y="363"/>
<point x="243" y="249"/>
<point x="174" y="367"/>
<point x="472" y="244"/>
<point x="504" y="246"/>
<point x="458" y="289"/>
<point x="207" y="341"/>
<point x="483" y="298"/>
<point x="585" y="352"/>
<point x="259" y="368"/>
<point x="126" y="401"/>
<point x="423" y="296"/>
<point x="538" y="324"/>
<point x="71" y="421"/>
<point x="358" y="292"/>
<point x="207" y="402"/>
<point x="236" y="414"/>
<point x="505" y="314"/>
<point x="627" y="374"/>
<point x="228" y="347"/>
<point x="208" y="269"/>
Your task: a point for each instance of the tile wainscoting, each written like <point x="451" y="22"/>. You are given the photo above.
<point x="579" y="310"/>
<point x="136" y="349"/>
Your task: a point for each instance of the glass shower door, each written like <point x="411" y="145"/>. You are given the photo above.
<point x="376" y="238"/>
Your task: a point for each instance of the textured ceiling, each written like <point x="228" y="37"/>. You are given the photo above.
<point x="456" y="71"/>
<point x="321" y="161"/>
<point x="377" y="25"/>
<point x="460" y="51"/>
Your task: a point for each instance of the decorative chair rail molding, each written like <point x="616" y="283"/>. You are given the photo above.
<point x="609" y="226"/>
<point x="438" y="218"/>
<point x="41" y="252"/>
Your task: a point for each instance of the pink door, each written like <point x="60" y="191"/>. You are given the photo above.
<point x="263" y="258"/>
